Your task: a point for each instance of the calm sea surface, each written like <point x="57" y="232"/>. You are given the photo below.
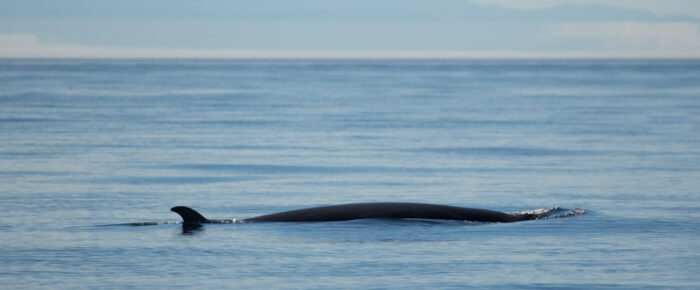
<point x="85" y="144"/>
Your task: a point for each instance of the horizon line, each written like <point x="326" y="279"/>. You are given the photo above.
<point x="167" y="54"/>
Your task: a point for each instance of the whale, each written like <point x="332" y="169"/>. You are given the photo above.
<point x="371" y="210"/>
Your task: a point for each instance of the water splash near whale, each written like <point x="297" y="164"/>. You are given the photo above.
<point x="551" y="213"/>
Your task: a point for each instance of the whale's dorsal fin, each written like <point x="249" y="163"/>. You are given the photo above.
<point x="189" y="216"/>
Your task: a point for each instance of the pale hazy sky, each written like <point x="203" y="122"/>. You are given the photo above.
<point x="355" y="28"/>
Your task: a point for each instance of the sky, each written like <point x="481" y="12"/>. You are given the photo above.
<point x="352" y="28"/>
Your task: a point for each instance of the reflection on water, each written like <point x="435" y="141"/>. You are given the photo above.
<point x="190" y="229"/>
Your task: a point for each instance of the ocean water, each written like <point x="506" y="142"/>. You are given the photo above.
<point x="87" y="146"/>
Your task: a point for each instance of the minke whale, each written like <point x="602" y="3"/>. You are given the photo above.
<point x="373" y="210"/>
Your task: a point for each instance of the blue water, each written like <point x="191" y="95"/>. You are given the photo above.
<point x="90" y="143"/>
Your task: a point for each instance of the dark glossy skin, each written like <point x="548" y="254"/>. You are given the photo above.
<point x="344" y="212"/>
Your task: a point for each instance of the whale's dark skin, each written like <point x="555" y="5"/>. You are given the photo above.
<point x="344" y="212"/>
